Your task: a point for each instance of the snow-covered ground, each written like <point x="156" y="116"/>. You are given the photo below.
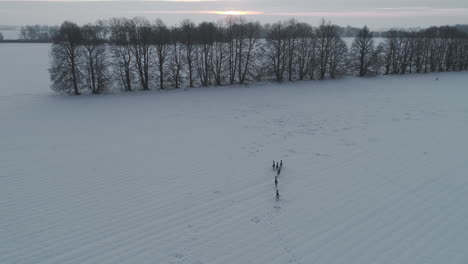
<point x="375" y="172"/>
<point x="24" y="69"/>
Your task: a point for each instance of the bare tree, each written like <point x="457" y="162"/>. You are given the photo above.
<point x="205" y="41"/>
<point x="421" y="53"/>
<point x="326" y="34"/>
<point x="188" y="34"/>
<point x="219" y="55"/>
<point x="428" y="46"/>
<point x="399" y="51"/>
<point x="141" y="37"/>
<point x="249" y="46"/>
<point x="162" y="43"/>
<point x="234" y="46"/>
<point x="313" y="58"/>
<point x="121" y="50"/>
<point x="66" y="53"/>
<point x="337" y="58"/>
<point x="176" y="54"/>
<point x="94" y="56"/>
<point x="276" y="50"/>
<point x="391" y="50"/>
<point x="454" y="47"/>
<point x="364" y="55"/>
<point x="291" y="39"/>
<point x="306" y="43"/>
<point x="38" y="32"/>
<point x="406" y="54"/>
<point x="461" y="56"/>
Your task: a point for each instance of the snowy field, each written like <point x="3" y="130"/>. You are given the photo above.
<point x="24" y="69"/>
<point x="375" y="171"/>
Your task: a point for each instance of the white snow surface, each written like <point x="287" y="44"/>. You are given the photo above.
<point x="375" y="171"/>
<point x="24" y="69"/>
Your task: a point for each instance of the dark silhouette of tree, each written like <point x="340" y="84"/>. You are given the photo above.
<point x="38" y="32"/>
<point x="204" y="55"/>
<point x="422" y="51"/>
<point x="66" y="53"/>
<point x="364" y="55"/>
<point x="391" y="49"/>
<point x="176" y="53"/>
<point x="326" y="35"/>
<point x="141" y="38"/>
<point x="219" y="55"/>
<point x="94" y="56"/>
<point x="233" y="37"/>
<point x="162" y="42"/>
<point x="430" y="50"/>
<point x="249" y="36"/>
<point x="337" y="58"/>
<point x="121" y="51"/>
<point x="188" y="35"/>
<point x="306" y="44"/>
<point x="291" y="42"/>
<point x="276" y="50"/>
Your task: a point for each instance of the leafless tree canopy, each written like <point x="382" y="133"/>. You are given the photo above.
<point x="66" y="71"/>
<point x="139" y="54"/>
<point x="364" y="55"/>
<point x="95" y="65"/>
<point x="38" y="32"/>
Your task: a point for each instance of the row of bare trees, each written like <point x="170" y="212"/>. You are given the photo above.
<point x="433" y="49"/>
<point x="137" y="54"/>
<point x="40" y="33"/>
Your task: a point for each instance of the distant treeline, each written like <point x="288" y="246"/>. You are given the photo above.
<point x="462" y="28"/>
<point x="136" y="54"/>
<point x="40" y="33"/>
<point x="31" y="34"/>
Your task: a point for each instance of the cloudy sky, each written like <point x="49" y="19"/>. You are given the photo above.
<point x="374" y="13"/>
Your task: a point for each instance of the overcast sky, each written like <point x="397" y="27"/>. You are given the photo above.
<point x="374" y="13"/>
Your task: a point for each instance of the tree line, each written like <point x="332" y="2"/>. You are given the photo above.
<point x="138" y="54"/>
<point x="39" y="33"/>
